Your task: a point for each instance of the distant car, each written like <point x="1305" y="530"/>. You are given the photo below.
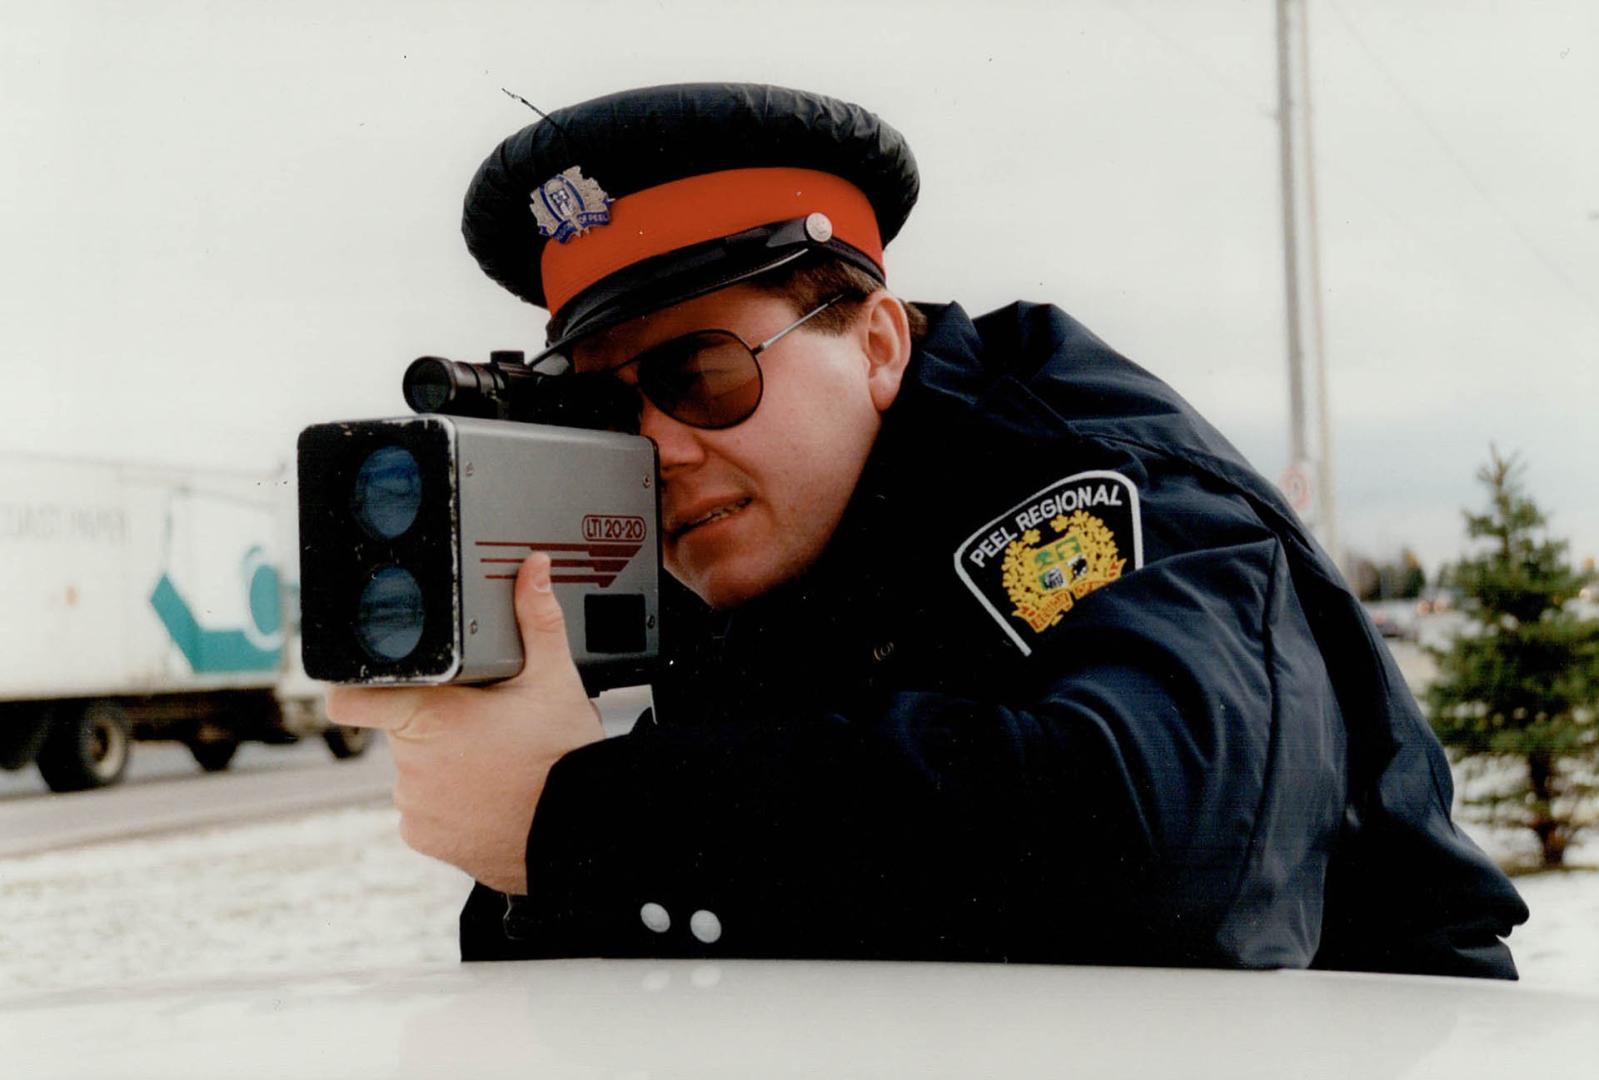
<point x="1397" y="619"/>
<point x="1436" y="601"/>
<point x="685" y="1018"/>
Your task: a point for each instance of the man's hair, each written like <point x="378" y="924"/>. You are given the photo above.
<point x="807" y="283"/>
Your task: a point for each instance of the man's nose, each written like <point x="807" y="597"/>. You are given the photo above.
<point x="676" y="443"/>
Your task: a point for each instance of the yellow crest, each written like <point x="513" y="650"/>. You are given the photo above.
<point x="1044" y="580"/>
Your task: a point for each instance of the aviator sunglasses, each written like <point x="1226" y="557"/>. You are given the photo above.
<point x="708" y="379"/>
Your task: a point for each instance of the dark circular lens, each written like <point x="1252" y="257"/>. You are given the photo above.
<point x="428" y="384"/>
<point x="388" y="492"/>
<point x="390" y="615"/>
<point x="708" y="379"/>
<point x="429" y="397"/>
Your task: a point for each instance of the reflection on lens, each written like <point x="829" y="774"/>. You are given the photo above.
<point x="427" y="383"/>
<point x="708" y="379"/>
<point x="429" y="397"/>
<point x="389" y="619"/>
<point x="388" y="492"/>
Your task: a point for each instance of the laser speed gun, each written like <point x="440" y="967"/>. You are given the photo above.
<point x="412" y="529"/>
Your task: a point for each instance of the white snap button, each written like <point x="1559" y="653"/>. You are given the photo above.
<point x="705" y="926"/>
<point x="655" y="917"/>
<point x="819" y="227"/>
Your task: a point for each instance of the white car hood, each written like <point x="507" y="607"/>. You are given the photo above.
<point x="652" y="1019"/>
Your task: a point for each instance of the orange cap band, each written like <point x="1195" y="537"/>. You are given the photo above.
<point x="700" y="208"/>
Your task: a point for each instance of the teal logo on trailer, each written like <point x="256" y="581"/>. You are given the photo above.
<point x="256" y="646"/>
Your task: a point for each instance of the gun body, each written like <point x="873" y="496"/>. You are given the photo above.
<point x="412" y="529"/>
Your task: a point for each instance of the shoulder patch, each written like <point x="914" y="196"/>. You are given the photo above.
<point x="1030" y="565"/>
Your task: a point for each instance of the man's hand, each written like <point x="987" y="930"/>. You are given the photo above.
<point x="470" y="762"/>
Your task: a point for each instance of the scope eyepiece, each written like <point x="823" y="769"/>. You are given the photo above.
<point x="433" y="384"/>
<point x="506" y="388"/>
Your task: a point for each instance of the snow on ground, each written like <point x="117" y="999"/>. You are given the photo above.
<point x="332" y="891"/>
<point x="1559" y="945"/>
<point x="337" y="891"/>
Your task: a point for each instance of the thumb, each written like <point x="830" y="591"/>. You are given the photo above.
<point x="541" y="621"/>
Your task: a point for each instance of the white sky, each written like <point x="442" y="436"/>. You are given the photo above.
<point x="220" y="222"/>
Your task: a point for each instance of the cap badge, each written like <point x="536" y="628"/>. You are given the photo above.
<point x="569" y="204"/>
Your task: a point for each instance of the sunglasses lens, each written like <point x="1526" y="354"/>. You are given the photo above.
<point x="707" y="380"/>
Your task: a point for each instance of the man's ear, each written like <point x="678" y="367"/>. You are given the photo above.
<point x="886" y="341"/>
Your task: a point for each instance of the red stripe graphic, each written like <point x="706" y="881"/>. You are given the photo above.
<point x="613" y="549"/>
<point x="603" y="561"/>
<point x="562" y="579"/>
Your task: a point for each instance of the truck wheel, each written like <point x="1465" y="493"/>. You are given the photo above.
<point x="346" y="742"/>
<point x="88" y="747"/>
<point x="213" y="755"/>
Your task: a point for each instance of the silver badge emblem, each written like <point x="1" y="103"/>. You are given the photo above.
<point x="569" y="204"/>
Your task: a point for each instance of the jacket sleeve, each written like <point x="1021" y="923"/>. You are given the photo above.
<point x="1161" y="787"/>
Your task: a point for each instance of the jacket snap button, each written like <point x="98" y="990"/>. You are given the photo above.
<point x="705" y="926"/>
<point x="882" y="652"/>
<point x="655" y="917"/>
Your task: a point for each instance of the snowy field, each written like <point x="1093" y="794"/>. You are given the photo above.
<point x="330" y="891"/>
<point x="337" y="891"/>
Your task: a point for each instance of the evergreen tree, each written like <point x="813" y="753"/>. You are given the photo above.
<point x="1516" y="690"/>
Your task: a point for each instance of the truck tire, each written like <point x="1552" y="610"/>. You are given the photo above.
<point x="88" y="747"/>
<point x="213" y="755"/>
<point x="346" y="742"/>
<point x="23" y="727"/>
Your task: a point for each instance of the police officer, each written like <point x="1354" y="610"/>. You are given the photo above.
<point x="995" y="650"/>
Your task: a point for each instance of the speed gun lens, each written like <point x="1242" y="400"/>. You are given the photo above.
<point x="390" y="616"/>
<point x="387" y="492"/>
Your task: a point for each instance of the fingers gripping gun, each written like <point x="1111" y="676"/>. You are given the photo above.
<point x="412" y="529"/>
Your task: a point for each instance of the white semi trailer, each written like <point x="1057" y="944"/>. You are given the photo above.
<point x="147" y="603"/>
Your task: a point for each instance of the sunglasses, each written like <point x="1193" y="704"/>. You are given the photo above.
<point x="709" y="379"/>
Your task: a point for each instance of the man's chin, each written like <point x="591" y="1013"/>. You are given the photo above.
<point x="724" y="588"/>
<point x="723" y="595"/>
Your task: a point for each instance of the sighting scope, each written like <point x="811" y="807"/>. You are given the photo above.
<point x="505" y="388"/>
<point x="508" y="388"/>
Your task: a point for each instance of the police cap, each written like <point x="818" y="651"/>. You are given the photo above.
<point x="629" y="203"/>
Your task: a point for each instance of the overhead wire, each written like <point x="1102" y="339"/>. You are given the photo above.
<point x="1375" y="200"/>
<point x="1267" y="113"/>
<point x="1459" y="162"/>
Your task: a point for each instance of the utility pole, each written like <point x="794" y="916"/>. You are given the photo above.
<point x="1308" y="481"/>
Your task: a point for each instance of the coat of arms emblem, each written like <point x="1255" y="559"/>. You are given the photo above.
<point x="1032" y="564"/>
<point x="569" y="204"/>
<point x="1044" y="580"/>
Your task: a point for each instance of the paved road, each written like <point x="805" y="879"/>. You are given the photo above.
<point x="1434" y="631"/>
<point x="271" y="782"/>
<point x="154" y="762"/>
<point x="166" y="791"/>
<point x="1415" y="665"/>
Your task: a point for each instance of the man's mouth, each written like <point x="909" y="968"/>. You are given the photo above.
<point x="715" y="513"/>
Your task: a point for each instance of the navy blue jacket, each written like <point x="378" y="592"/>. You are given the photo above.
<point x="1070" y="684"/>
